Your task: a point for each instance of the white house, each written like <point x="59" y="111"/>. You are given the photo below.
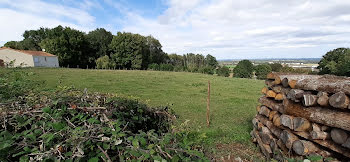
<point x="26" y="58"/>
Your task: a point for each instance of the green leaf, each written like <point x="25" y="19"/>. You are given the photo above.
<point x="135" y="143"/>
<point x="58" y="126"/>
<point x="24" y="159"/>
<point x="94" y="159"/>
<point x="46" y="110"/>
<point x="6" y="144"/>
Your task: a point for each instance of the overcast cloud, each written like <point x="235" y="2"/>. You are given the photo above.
<point x="225" y="28"/>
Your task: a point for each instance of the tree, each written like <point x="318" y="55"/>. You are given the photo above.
<point x="287" y="69"/>
<point x="336" y="62"/>
<point x="99" y="41"/>
<point x="276" y="67"/>
<point x="156" y="54"/>
<point x="262" y="70"/>
<point x="223" y="71"/>
<point x="244" y="69"/>
<point x="69" y="45"/>
<point x="211" y="61"/>
<point x="104" y="62"/>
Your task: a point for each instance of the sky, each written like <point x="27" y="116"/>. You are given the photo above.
<point x="227" y="29"/>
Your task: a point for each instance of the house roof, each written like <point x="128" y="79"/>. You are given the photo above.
<point x="33" y="53"/>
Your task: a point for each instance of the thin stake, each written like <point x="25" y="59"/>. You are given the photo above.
<point x="208" y="105"/>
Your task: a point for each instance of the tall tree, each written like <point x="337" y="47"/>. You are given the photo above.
<point x="336" y="62"/>
<point x="211" y="61"/>
<point x="99" y="41"/>
<point x="244" y="69"/>
<point x="130" y="51"/>
<point x="156" y="54"/>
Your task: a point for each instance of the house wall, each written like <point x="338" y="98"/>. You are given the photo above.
<point x="45" y="61"/>
<point x="21" y="59"/>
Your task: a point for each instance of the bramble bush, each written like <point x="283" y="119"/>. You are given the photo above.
<point x="73" y="125"/>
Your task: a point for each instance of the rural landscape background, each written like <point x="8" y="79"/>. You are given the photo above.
<point x="137" y="95"/>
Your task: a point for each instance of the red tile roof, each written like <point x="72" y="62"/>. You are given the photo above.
<point x="33" y="53"/>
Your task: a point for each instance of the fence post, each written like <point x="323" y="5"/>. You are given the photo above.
<point x="208" y="105"/>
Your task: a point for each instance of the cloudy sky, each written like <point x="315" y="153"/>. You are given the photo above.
<point x="227" y="29"/>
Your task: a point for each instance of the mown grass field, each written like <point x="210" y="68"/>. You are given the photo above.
<point x="233" y="100"/>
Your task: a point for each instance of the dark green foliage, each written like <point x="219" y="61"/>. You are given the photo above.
<point x="262" y="70"/>
<point x="223" y="71"/>
<point x="99" y="41"/>
<point x="130" y="51"/>
<point x="211" y="61"/>
<point x="155" y="50"/>
<point x="166" y="67"/>
<point x="244" y="69"/>
<point x="287" y="69"/>
<point x="153" y="66"/>
<point x="105" y="62"/>
<point x="276" y="67"/>
<point x="336" y="62"/>
<point x="206" y="70"/>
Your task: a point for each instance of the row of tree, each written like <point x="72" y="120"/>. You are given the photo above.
<point x="102" y="49"/>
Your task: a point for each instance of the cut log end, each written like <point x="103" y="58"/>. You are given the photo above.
<point x="264" y="90"/>
<point x="339" y="100"/>
<point x="292" y="83"/>
<point x="309" y="100"/>
<point x="301" y="124"/>
<point x="339" y="136"/>
<point x="271" y="94"/>
<point x="279" y="97"/>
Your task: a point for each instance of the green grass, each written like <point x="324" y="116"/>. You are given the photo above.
<point x="233" y="100"/>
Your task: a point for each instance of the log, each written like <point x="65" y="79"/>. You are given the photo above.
<point x="272" y="104"/>
<point x="273" y="129"/>
<point x="279" y="97"/>
<point x="320" y="115"/>
<point x="322" y="99"/>
<point x="271" y="76"/>
<point x="265" y="135"/>
<point x="277" y="88"/>
<point x="271" y="94"/>
<point x="258" y="108"/>
<point x="264" y="111"/>
<point x="303" y="147"/>
<point x="266" y="149"/>
<point x="339" y="100"/>
<point x="269" y="83"/>
<point x="276" y="120"/>
<point x="295" y="95"/>
<point x="301" y="124"/>
<point x="277" y="80"/>
<point x="316" y="127"/>
<point x="288" y="138"/>
<point x="255" y="123"/>
<point x="272" y="114"/>
<point x="339" y="136"/>
<point x="282" y="146"/>
<point x="309" y="100"/>
<point x="264" y="90"/>
<point x="347" y="143"/>
<point x="319" y="135"/>
<point x="285" y="91"/>
<point x="285" y="82"/>
<point x="287" y="121"/>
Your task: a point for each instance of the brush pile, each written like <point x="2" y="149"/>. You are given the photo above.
<point x="302" y="116"/>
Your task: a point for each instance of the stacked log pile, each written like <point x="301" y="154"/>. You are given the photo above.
<point x="303" y="115"/>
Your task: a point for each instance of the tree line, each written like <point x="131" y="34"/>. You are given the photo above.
<point x="101" y="49"/>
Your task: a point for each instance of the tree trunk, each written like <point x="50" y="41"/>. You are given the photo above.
<point x="339" y="136"/>
<point x="288" y="138"/>
<point x="287" y="121"/>
<point x="264" y="111"/>
<point x="320" y="115"/>
<point x="322" y="99"/>
<point x="339" y="100"/>
<point x="301" y="124"/>
<point x="309" y="100"/>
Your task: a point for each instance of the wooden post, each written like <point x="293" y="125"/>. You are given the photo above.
<point x="208" y="105"/>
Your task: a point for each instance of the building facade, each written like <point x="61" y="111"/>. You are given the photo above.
<point x="26" y="58"/>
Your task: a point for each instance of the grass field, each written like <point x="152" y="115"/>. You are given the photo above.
<point x="233" y="100"/>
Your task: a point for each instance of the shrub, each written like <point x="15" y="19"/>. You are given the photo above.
<point x="77" y="126"/>
<point x="179" y="68"/>
<point x="166" y="67"/>
<point x="206" y="70"/>
<point x="223" y="71"/>
<point x="153" y="66"/>
<point x="336" y="62"/>
<point x="262" y="70"/>
<point x="104" y="62"/>
<point x="287" y="69"/>
<point x="276" y="67"/>
<point x="244" y="69"/>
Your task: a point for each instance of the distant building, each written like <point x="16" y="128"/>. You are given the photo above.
<point x="26" y="58"/>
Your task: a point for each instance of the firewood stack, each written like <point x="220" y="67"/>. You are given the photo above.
<point x="304" y="115"/>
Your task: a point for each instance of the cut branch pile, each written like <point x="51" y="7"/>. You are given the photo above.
<point x="304" y="115"/>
